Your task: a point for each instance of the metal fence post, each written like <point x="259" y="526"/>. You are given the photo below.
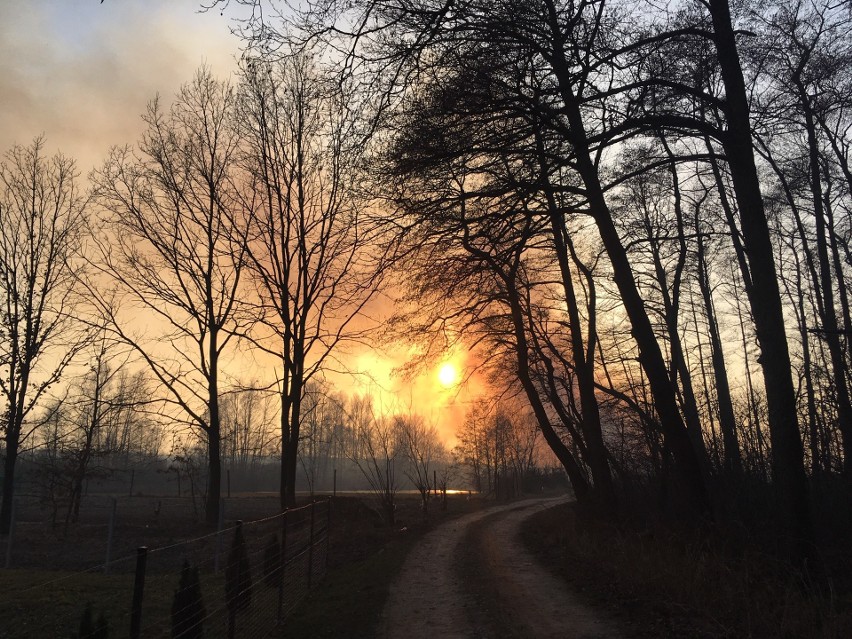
<point x="110" y="536"/>
<point x="311" y="545"/>
<point x="138" y="592"/>
<point x="282" y="567"/>
<point x="329" y="504"/>
<point x="11" y="534"/>
<point x="220" y="526"/>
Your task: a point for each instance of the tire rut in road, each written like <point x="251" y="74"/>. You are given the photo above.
<point x="428" y="599"/>
<point x="520" y="597"/>
<point x="456" y="575"/>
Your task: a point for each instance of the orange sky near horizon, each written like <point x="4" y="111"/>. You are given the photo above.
<point x="423" y="392"/>
<point x="81" y="73"/>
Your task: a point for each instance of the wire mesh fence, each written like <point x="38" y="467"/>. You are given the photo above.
<point x="241" y="580"/>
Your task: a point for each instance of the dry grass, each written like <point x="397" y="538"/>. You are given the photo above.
<point x="366" y="557"/>
<point x="666" y="583"/>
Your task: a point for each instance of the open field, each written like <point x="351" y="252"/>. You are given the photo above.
<point x="56" y="571"/>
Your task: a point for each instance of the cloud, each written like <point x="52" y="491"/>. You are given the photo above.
<point x="83" y="73"/>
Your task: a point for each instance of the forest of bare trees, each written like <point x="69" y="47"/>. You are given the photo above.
<point x="637" y="218"/>
<point x="641" y="215"/>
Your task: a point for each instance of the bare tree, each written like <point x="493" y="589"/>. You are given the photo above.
<point x="322" y="417"/>
<point x="173" y="251"/>
<point x="378" y="451"/>
<point x="42" y="225"/>
<point x="422" y="449"/>
<point x="248" y="426"/>
<point x="90" y="409"/>
<point x="84" y="423"/>
<point x="307" y="250"/>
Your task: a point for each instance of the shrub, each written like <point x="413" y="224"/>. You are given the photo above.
<point x="273" y="572"/>
<point x="238" y="584"/>
<point x="188" y="610"/>
<point x="91" y="628"/>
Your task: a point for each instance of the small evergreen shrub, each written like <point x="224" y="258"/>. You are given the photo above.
<point x="188" y="610"/>
<point x="91" y="628"/>
<point x="238" y="585"/>
<point x="272" y="569"/>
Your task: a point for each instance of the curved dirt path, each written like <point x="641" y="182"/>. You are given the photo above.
<point x="429" y="599"/>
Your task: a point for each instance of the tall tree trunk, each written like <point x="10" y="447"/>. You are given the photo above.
<point x="678" y="360"/>
<point x="846" y="311"/>
<point x="214" y="435"/>
<point x="687" y="467"/>
<point x="727" y="421"/>
<point x="830" y="330"/>
<point x="508" y="276"/>
<point x="787" y="453"/>
<point x="291" y="453"/>
<point x="8" y="483"/>
<point x="807" y="372"/>
<point x="584" y="365"/>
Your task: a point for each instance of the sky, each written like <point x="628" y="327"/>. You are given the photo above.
<point x="81" y="72"/>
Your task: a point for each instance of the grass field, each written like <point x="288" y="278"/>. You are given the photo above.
<point x="363" y="556"/>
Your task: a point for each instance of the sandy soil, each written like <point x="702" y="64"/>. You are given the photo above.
<point x="429" y="599"/>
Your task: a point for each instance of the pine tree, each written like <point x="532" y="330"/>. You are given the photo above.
<point x="188" y="610"/>
<point x="273" y="571"/>
<point x="91" y="629"/>
<point x="238" y="574"/>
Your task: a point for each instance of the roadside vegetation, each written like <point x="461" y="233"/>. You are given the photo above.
<point x="661" y="580"/>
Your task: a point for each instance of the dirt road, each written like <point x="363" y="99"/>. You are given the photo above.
<point x="431" y="599"/>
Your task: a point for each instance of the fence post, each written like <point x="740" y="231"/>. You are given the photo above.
<point x="11" y="534"/>
<point x="228" y="474"/>
<point x="233" y="603"/>
<point x="220" y="526"/>
<point x="110" y="535"/>
<point x="311" y="545"/>
<point x="132" y="478"/>
<point x="283" y="567"/>
<point x="138" y="592"/>
<point x="334" y="484"/>
<point x="329" y="504"/>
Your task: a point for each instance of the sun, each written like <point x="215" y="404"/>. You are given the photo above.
<point x="448" y="375"/>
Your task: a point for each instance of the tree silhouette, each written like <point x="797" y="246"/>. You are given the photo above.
<point x="91" y="628"/>
<point x="188" y="609"/>
<point x="173" y="246"/>
<point x="42" y="226"/>
<point x="238" y="583"/>
<point x="308" y="250"/>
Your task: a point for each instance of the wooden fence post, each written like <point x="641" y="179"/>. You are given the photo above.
<point x="110" y="535"/>
<point x="138" y="593"/>
<point x="10" y="537"/>
<point x="282" y="568"/>
<point x="311" y="546"/>
<point x="220" y="527"/>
